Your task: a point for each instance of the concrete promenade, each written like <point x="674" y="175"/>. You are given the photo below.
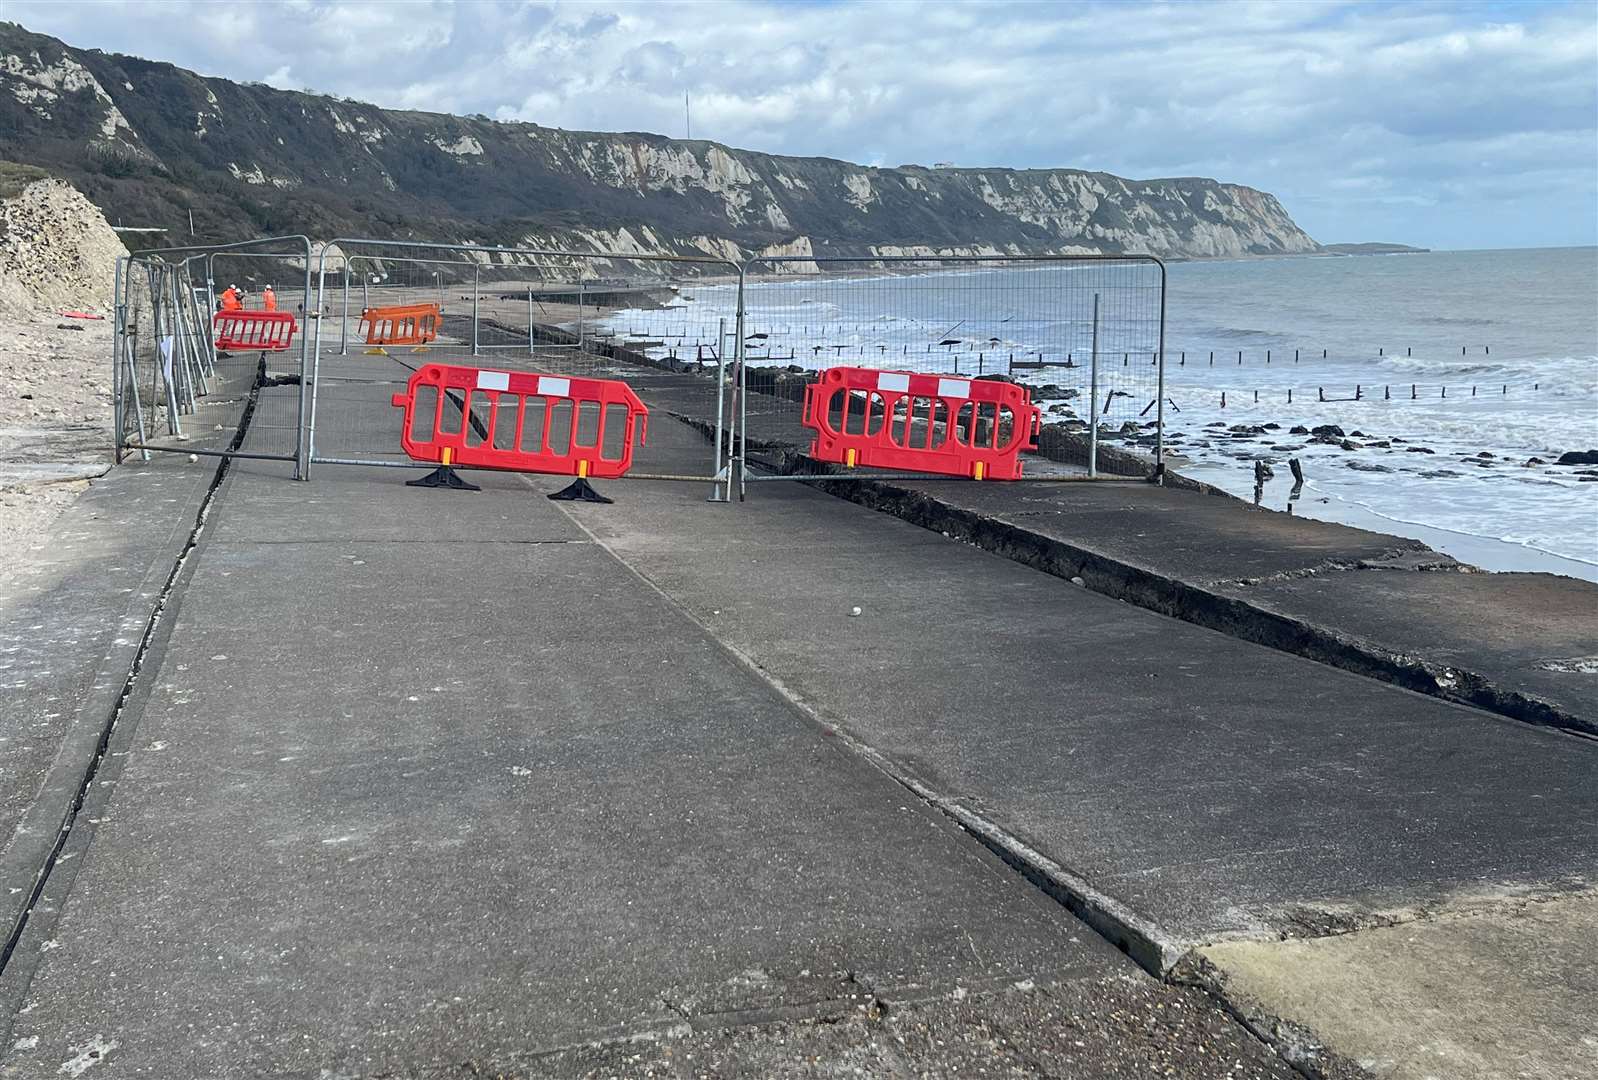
<point x="424" y="783"/>
<point x="1378" y="605"/>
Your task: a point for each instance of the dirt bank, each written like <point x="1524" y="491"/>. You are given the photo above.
<point x="57" y="255"/>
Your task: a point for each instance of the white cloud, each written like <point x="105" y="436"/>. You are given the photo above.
<point x="1408" y="121"/>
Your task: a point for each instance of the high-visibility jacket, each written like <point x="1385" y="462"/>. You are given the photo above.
<point x="230" y="300"/>
<point x="268" y="300"/>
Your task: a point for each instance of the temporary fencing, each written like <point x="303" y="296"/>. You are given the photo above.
<point x="534" y="423"/>
<point x="981" y="367"/>
<point x="1082" y="334"/>
<point x="254" y="331"/>
<point x="513" y="312"/>
<point x="920" y="423"/>
<point x="409" y="324"/>
<point x="184" y="376"/>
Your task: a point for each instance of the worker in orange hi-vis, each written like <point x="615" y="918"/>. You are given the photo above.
<point x="230" y="299"/>
<point x="268" y="299"/>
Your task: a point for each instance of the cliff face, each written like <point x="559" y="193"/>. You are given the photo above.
<point x="148" y="142"/>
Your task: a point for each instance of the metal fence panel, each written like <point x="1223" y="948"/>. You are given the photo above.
<point x="173" y="389"/>
<point x="607" y="315"/>
<point x="1084" y="332"/>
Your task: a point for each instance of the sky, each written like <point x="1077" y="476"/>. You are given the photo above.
<point x="1462" y="125"/>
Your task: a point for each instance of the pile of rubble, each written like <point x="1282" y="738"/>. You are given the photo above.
<point x="57" y="254"/>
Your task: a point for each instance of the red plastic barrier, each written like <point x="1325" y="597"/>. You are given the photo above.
<point x="921" y="423"/>
<point x="408" y="324"/>
<point x="524" y="422"/>
<point x="253" y="331"/>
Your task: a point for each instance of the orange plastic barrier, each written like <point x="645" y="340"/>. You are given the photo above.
<point x="921" y="423"/>
<point x="409" y="324"/>
<point x="253" y="331"/>
<point x="534" y="423"/>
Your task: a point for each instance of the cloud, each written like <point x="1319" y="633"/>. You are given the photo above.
<point x="1411" y="121"/>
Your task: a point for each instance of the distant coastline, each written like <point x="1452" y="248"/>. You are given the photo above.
<point x="1371" y="249"/>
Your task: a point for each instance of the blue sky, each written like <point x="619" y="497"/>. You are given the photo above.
<point x="1444" y="125"/>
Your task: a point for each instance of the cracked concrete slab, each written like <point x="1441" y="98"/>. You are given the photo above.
<point x="1212" y="786"/>
<point x="74" y="608"/>
<point x="1194" y="555"/>
<point x="1502" y="993"/>
<point x="1503" y="629"/>
<point x="72" y="612"/>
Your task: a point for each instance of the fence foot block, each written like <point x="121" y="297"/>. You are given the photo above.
<point x="443" y="477"/>
<point x="579" y="490"/>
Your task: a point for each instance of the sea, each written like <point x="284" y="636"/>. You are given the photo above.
<point x="1510" y="336"/>
<point x="1487" y="359"/>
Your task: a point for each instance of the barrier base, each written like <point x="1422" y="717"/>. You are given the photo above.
<point x="443" y="477"/>
<point x="579" y="490"/>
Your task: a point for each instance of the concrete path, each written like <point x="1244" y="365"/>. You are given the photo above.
<point x="1523" y="645"/>
<point x="421" y="783"/>
<point x="1212" y="786"/>
<point x="74" y="612"/>
<point x="441" y="784"/>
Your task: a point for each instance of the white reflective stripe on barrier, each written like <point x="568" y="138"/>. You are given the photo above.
<point x="549" y="387"/>
<point x="954" y="388"/>
<point x="893" y="380"/>
<point x="493" y="380"/>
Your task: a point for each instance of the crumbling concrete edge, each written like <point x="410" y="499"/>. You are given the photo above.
<point x="1196" y="604"/>
<point x="1293" y="1042"/>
